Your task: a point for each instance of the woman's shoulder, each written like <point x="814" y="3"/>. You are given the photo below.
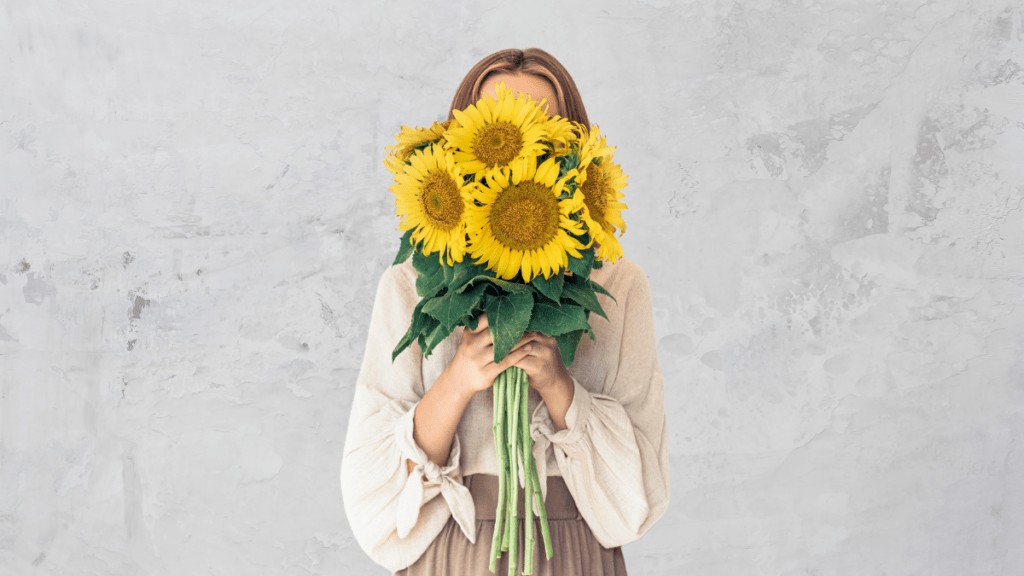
<point x="399" y="276"/>
<point x="397" y="286"/>
<point x="622" y="275"/>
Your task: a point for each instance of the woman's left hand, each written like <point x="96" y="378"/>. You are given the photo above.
<point x="547" y="375"/>
<point x="543" y="363"/>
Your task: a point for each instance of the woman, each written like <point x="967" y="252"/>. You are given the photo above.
<point x="419" y="473"/>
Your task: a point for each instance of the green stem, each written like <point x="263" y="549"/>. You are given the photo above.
<point x="498" y="430"/>
<point x="542" y="510"/>
<point x="512" y="408"/>
<point x="529" y="469"/>
<point x="545" y="532"/>
<point x="514" y="450"/>
<point x="510" y="457"/>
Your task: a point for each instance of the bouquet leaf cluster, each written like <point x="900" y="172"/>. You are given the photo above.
<point x="506" y="210"/>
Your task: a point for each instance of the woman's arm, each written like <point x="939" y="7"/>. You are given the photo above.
<point x="611" y="448"/>
<point x="436" y="418"/>
<point x="394" y="513"/>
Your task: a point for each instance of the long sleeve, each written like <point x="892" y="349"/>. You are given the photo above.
<point x="613" y="454"/>
<point x="394" y="514"/>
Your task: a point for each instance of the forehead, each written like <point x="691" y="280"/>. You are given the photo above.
<point x="533" y="84"/>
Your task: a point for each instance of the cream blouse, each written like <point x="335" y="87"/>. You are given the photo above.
<point x="613" y="455"/>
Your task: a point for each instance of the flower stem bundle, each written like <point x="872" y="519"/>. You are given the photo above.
<point x="514" y="447"/>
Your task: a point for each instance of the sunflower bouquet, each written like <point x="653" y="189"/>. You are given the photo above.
<point x="506" y="210"/>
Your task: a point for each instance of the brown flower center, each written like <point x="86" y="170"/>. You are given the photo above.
<point x="525" y="216"/>
<point x="595" y="193"/>
<point x="442" y="202"/>
<point x="497" y="144"/>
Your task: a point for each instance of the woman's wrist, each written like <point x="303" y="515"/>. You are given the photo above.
<point x="453" y="390"/>
<point x="558" y="396"/>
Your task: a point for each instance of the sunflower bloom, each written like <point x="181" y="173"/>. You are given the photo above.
<point x="562" y="131"/>
<point x="491" y="134"/>
<point x="408" y="139"/>
<point x="431" y="199"/>
<point x="592" y="144"/>
<point x="521" y="225"/>
<point x="601" y="182"/>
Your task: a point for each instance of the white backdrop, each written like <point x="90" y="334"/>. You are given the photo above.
<point x="828" y="198"/>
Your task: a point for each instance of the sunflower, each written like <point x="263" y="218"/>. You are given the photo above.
<point x="409" y="139"/>
<point x="522" y="223"/>
<point x="492" y="133"/>
<point x="431" y="198"/>
<point x="592" y="144"/>
<point x="601" y="182"/>
<point x="562" y="131"/>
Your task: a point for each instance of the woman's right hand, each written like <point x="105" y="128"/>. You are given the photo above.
<point x="473" y="369"/>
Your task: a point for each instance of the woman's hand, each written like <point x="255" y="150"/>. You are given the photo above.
<point x="543" y="363"/>
<point x="473" y="369"/>
<point x="547" y="375"/>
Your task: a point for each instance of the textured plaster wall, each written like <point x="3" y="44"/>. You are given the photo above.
<point x="828" y="198"/>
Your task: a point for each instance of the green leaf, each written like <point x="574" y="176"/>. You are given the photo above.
<point x="581" y="291"/>
<point x="462" y="273"/>
<point x="405" y="248"/>
<point x="438" y="334"/>
<point x="568" y="344"/>
<point x="582" y="267"/>
<point x="472" y="318"/>
<point x="447" y="272"/>
<point x="472" y="321"/>
<point x="507" y="318"/>
<point x="431" y="339"/>
<point x="554" y="320"/>
<point x="422" y="263"/>
<point x="453" y="306"/>
<point x="415" y="326"/>
<point x="567" y="162"/>
<point x="429" y="326"/>
<point x="601" y="289"/>
<point x="429" y="274"/>
<point x="549" y="287"/>
<point x="505" y="284"/>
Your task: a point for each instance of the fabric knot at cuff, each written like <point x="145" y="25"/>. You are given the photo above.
<point x="427" y="479"/>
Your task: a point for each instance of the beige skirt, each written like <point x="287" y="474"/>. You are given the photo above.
<point x="576" y="551"/>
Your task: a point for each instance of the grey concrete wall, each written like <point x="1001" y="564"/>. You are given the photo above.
<point x="828" y="198"/>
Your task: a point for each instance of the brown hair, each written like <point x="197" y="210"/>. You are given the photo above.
<point x="531" y="61"/>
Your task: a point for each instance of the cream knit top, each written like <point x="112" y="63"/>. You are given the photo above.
<point x="613" y="455"/>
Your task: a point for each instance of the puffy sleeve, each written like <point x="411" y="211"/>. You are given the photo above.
<point x="395" y="514"/>
<point x="613" y="453"/>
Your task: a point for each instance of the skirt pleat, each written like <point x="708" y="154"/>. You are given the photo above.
<point x="576" y="550"/>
